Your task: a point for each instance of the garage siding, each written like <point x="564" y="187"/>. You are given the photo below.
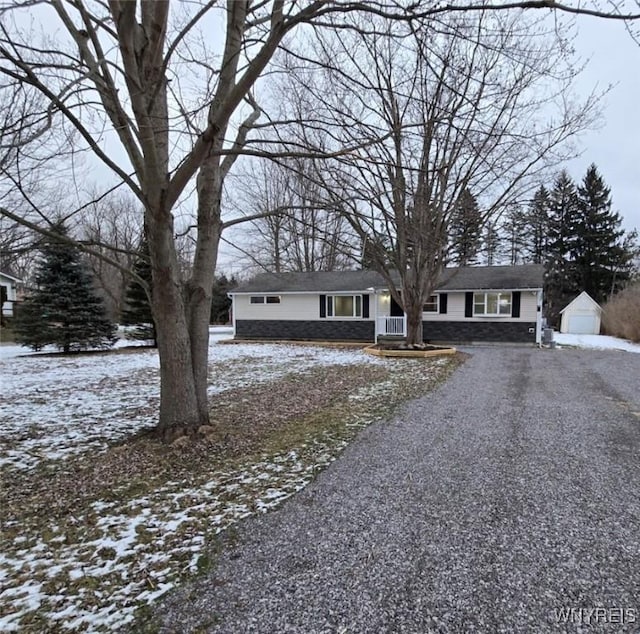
<point x="581" y="316"/>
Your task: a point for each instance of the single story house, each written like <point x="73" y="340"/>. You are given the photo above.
<point x="470" y="304"/>
<point x="8" y="287"/>
<point x="581" y="316"/>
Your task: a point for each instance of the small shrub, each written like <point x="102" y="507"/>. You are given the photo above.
<point x="621" y="315"/>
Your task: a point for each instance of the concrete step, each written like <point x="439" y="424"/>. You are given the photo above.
<point x="391" y="339"/>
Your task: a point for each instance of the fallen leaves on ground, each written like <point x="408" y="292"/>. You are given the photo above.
<point x="89" y="539"/>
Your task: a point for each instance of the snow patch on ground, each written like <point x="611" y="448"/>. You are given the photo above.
<point x="597" y="342"/>
<point x="12" y="350"/>
<point x="91" y="571"/>
<point x="54" y="406"/>
<point x="129" y="553"/>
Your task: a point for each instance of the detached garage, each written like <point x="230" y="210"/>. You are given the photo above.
<point x="581" y="316"/>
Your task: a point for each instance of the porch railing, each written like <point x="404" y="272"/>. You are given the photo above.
<point x="392" y="326"/>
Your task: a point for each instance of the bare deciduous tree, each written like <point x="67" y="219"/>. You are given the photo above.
<point x="17" y="249"/>
<point x="479" y="101"/>
<point x="293" y="230"/>
<point x="113" y="76"/>
<point x="111" y="226"/>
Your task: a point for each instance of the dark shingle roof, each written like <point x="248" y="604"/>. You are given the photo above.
<point x="458" y="278"/>
<point x="492" y="277"/>
<point x="312" y="282"/>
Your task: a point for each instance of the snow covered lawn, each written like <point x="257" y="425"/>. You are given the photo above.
<point x="599" y="342"/>
<point x="54" y="406"/>
<point x="97" y="524"/>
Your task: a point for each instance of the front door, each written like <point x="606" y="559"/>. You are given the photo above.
<point x="395" y="310"/>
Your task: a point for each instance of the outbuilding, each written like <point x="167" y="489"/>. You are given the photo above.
<point x="8" y="284"/>
<point x="581" y="316"/>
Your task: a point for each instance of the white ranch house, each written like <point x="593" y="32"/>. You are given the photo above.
<point x="470" y="304"/>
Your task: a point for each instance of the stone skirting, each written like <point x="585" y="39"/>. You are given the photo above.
<point x="320" y="330"/>
<point x="479" y="331"/>
<point x="364" y="330"/>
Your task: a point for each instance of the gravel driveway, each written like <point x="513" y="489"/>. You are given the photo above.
<point x="500" y="502"/>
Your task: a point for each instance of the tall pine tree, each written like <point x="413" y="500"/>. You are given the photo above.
<point x="513" y="232"/>
<point x="137" y="310"/>
<point x="491" y="244"/>
<point x="598" y="254"/>
<point x="465" y="237"/>
<point x="65" y="310"/>
<point x="560" y="279"/>
<point x="536" y="230"/>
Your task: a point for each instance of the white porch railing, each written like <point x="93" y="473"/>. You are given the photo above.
<point x="392" y="326"/>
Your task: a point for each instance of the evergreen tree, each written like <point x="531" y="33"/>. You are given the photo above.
<point x="465" y="232"/>
<point x="28" y="327"/>
<point x="137" y="311"/>
<point x="491" y="242"/>
<point x="513" y="232"/>
<point x="560" y="279"/>
<point x="536" y="229"/>
<point x="64" y="311"/>
<point x="598" y="251"/>
<point x="220" y="300"/>
<point x="376" y="252"/>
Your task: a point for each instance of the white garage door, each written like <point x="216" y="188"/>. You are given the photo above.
<point x="582" y="324"/>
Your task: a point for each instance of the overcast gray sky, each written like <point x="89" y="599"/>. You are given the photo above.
<point x="615" y="147"/>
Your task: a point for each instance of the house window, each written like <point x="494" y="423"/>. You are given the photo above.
<point x="492" y="304"/>
<point x="431" y="305"/>
<point x="264" y="299"/>
<point x="344" y="305"/>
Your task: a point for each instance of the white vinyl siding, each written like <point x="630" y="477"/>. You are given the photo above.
<point x="581" y="316"/>
<point x="305" y="306"/>
<point x="294" y="306"/>
<point x="455" y="309"/>
<point x="10" y="286"/>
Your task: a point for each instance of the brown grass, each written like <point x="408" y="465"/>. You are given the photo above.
<point x="621" y="315"/>
<point x="247" y="422"/>
<point x="271" y="436"/>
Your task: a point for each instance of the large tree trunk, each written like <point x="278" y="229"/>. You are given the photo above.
<point x="200" y="286"/>
<point x="414" y="322"/>
<point x="179" y="408"/>
<point x="179" y="411"/>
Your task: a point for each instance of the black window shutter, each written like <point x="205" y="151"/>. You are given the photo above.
<point x="468" y="305"/>
<point x="515" y="304"/>
<point x="323" y="306"/>
<point x="443" y="303"/>
<point x="365" y="307"/>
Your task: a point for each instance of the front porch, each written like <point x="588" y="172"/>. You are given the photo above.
<point x="391" y="322"/>
<point x="391" y="326"/>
